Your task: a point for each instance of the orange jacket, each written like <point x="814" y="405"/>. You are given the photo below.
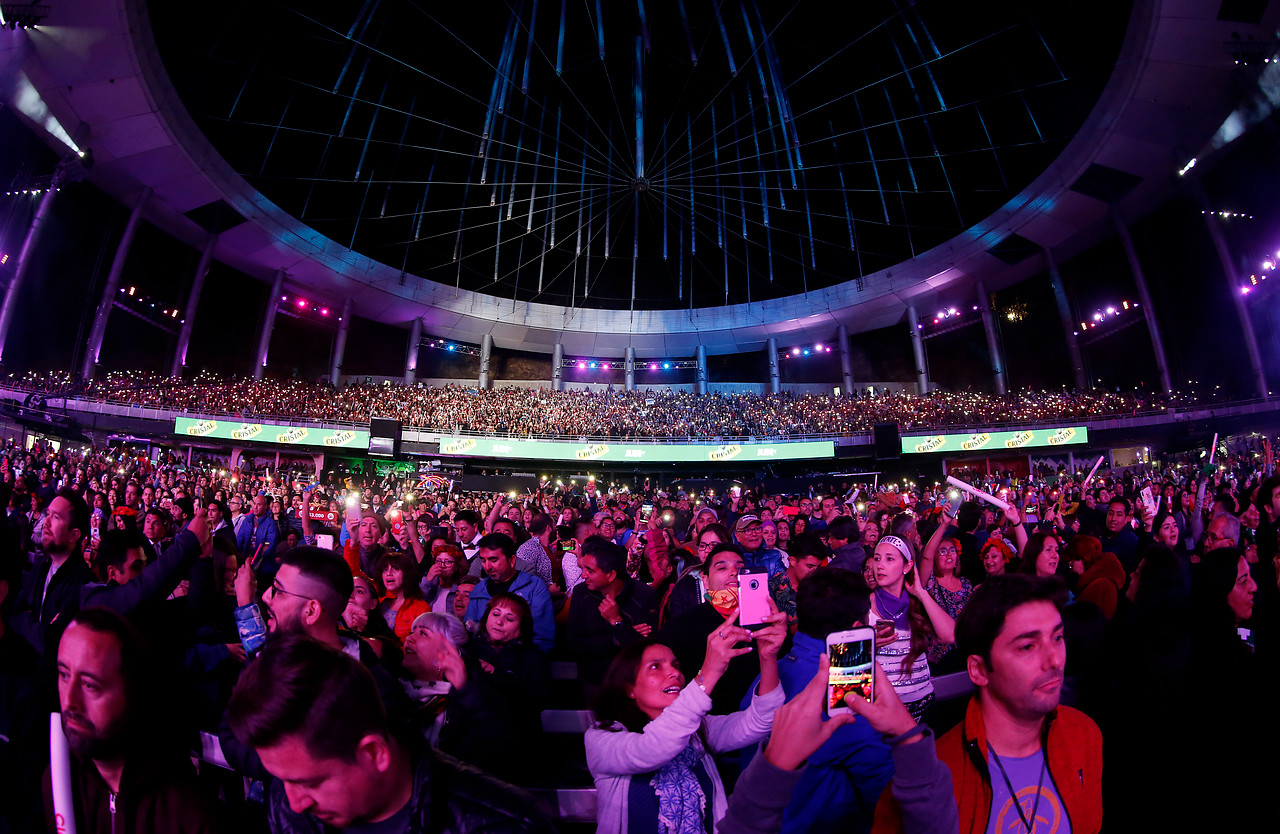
<point x="406" y="615"/>
<point x="1074" y="746"/>
<point x="1101" y="584"/>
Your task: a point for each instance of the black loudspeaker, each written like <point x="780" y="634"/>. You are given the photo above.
<point x="888" y="443"/>
<point x="384" y="437"/>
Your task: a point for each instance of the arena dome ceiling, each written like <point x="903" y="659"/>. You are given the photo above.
<point x="789" y="170"/>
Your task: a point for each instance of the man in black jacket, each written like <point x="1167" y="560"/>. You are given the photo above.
<point x="129" y="771"/>
<point x="314" y="717"/>
<point x="608" y="608"/>
<point x="51" y="591"/>
<point x="131" y="581"/>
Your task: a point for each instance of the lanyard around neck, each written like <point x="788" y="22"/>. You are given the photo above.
<point x="1013" y="795"/>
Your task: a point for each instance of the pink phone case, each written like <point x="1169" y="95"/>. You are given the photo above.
<point x="753" y="598"/>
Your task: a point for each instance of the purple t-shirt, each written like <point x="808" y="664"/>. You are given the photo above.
<point x="1024" y="774"/>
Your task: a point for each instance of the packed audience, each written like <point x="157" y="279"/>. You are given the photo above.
<point x="376" y="656"/>
<point x="640" y="414"/>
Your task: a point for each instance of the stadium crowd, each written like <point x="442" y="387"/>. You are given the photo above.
<point x="375" y="656"/>
<point x="655" y="414"/>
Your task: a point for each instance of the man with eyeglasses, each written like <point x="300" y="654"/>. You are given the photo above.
<point x="1223" y="531"/>
<point x="308" y="595"/>
<point x="756" y="555"/>
<point x="239" y="517"/>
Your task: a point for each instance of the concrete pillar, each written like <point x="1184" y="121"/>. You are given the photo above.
<point x="24" y="265"/>
<point x="235" y="457"/>
<point x="993" y="339"/>
<point x="193" y="302"/>
<point x="486" y="355"/>
<point x="1068" y="320"/>
<point x="268" y="323"/>
<point x="701" y="356"/>
<point x="99" y="328"/>
<point x="630" y="368"/>
<point x="772" y="349"/>
<point x="1213" y="223"/>
<point x="340" y="343"/>
<point x="557" y="368"/>
<point x="917" y="349"/>
<point x="411" y="352"/>
<point x="1144" y="296"/>
<point x="846" y="361"/>
<point x="189" y="450"/>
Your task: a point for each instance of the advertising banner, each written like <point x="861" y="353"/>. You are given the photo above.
<point x="351" y="439"/>
<point x="561" y="450"/>
<point x="995" y="441"/>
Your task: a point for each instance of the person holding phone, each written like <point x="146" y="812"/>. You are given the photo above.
<point x="650" y="752"/>
<point x="848" y="772"/>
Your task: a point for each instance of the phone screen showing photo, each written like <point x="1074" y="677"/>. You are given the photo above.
<point x="851" y="671"/>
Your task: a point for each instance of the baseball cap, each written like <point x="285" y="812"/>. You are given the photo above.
<point x="745" y="522"/>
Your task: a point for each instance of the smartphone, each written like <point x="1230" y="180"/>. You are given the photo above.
<point x="1147" y="499"/>
<point x="753" y="600"/>
<point x="646" y="510"/>
<point x="324" y="540"/>
<point x="852" y="654"/>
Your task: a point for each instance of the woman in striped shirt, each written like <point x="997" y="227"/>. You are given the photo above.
<point x="899" y="598"/>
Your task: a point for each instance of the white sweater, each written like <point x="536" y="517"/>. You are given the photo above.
<point x="614" y="755"/>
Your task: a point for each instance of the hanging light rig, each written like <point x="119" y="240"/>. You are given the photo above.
<point x="687" y="176"/>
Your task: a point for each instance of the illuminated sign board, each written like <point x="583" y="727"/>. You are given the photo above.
<point x="995" y="441"/>
<point x="272" y="433"/>
<point x="497" y="447"/>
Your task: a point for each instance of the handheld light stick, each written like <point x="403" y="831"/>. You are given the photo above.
<point x="64" y="812"/>
<point x="1092" y="471"/>
<point x="986" y="496"/>
<point x="1213" y="450"/>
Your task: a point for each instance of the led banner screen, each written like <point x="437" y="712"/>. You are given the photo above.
<point x="995" y="441"/>
<point x="356" y="439"/>
<point x="494" y="447"/>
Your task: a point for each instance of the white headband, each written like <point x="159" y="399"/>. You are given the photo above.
<point x="903" y="547"/>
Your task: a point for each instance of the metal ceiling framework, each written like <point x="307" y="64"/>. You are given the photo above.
<point x="97" y="64"/>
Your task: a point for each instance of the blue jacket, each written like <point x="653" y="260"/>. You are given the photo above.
<point x="847" y="774"/>
<point x="533" y="591"/>
<point x="765" y="559"/>
<point x="267" y="534"/>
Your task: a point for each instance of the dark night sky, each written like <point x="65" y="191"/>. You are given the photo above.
<point x="1200" y="332"/>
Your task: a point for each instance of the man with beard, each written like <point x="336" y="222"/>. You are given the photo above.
<point x="308" y="595"/>
<point x="51" y="590"/>
<point x="124" y="777"/>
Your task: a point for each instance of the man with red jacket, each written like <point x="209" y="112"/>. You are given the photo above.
<point x="1019" y="761"/>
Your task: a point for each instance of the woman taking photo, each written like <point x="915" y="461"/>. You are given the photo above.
<point x="650" y="750"/>
<point x="440" y="585"/>
<point x="402" y="598"/>
<point x="898" y="597"/>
